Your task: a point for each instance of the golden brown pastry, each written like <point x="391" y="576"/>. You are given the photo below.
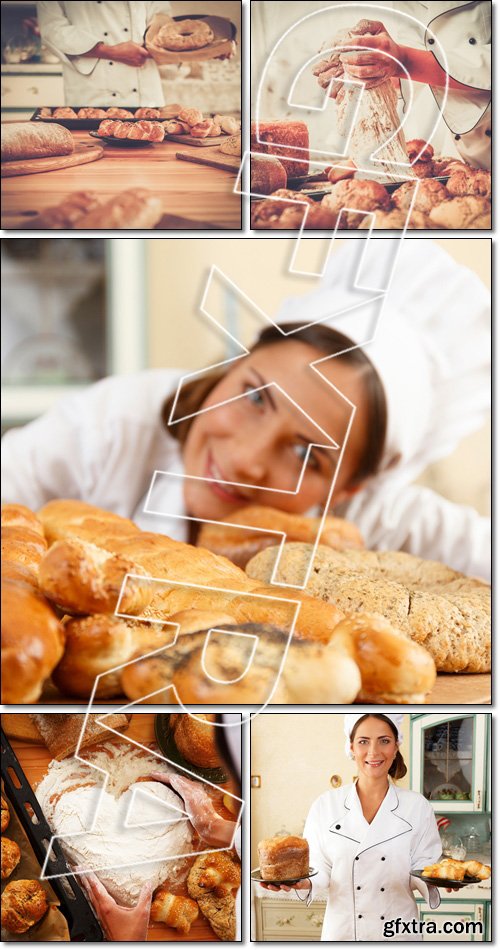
<point x="22" y="547"/>
<point x="171" y="110"/>
<point x="195" y="740"/>
<point x="83" y="579"/>
<point x="424" y="169"/>
<point x="354" y="194"/>
<point x="445" y="871"/>
<point x="18" y="516"/>
<point x="203" y="129"/>
<point x="190" y="116"/>
<point x="283" y="858"/>
<point x="24" y="903"/>
<point x="335" y="174"/>
<point x="5" y="814"/>
<point x="32" y="642"/>
<point x="476" y="869"/>
<point x="65" y="215"/>
<point x="421" y="148"/>
<point x="136" y="208"/>
<point x="267" y="174"/>
<point x="146" y="113"/>
<point x="232" y="145"/>
<point x="395" y="219"/>
<point x="61" y="731"/>
<point x="100" y="643"/>
<point x="64" y="112"/>
<point x="229" y="124"/>
<point x="466" y="211"/>
<point x="184" y="35"/>
<point x="315" y="218"/>
<point x="176" y="127"/>
<point x="115" y="113"/>
<point x="45" y="112"/>
<point x="265" y="214"/>
<point x="11" y="856"/>
<point x="213" y="882"/>
<point x="429" y="194"/>
<point x="88" y="112"/>
<point x="470" y="182"/>
<point x="174" y="911"/>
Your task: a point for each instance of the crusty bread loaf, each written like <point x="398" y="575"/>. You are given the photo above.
<point x="213" y="882"/>
<point x="231" y="146"/>
<point x="32" y="642"/>
<point x="286" y="139"/>
<point x="260" y="526"/>
<point x="267" y="174"/>
<point x="21" y="140"/>
<point x="283" y="858"/>
<point x="62" y="732"/>
<point x="195" y="740"/>
<point x="441" y="609"/>
<point x="18" y="516"/>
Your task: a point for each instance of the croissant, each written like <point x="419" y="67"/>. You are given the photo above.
<point x="174" y="911"/>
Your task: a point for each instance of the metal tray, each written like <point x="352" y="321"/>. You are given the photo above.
<point x="82" y="125"/>
<point x="82" y="922"/>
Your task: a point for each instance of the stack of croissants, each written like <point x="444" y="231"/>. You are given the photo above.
<point x="450" y="870"/>
<point x="89" y="600"/>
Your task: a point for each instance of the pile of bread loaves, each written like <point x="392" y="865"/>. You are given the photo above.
<point x="85" y="591"/>
<point x="464" y="201"/>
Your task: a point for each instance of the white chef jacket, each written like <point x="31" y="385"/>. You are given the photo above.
<point x="70" y="29"/>
<point x="464" y="31"/>
<point x="104" y="444"/>
<point x="366" y="868"/>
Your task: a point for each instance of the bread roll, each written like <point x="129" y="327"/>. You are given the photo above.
<point x="283" y="858"/>
<point x="23" y="548"/>
<point x="476" y="869"/>
<point x="66" y="214"/>
<point x="24" y="903"/>
<point x="174" y="911"/>
<point x="83" y="579"/>
<point x="259" y="527"/>
<point x="133" y="209"/>
<point x="21" y="140"/>
<point x="32" y="642"/>
<point x="232" y="145"/>
<point x="11" y="856"/>
<point x="195" y="740"/>
<point x="18" y="516"/>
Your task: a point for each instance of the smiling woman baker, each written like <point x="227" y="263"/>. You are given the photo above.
<point x="268" y="430"/>
<point x="365" y="839"/>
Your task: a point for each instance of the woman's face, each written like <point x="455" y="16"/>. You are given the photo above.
<point x="258" y="438"/>
<point x="374" y="748"/>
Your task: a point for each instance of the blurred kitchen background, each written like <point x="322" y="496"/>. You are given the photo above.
<point x="32" y="74"/>
<point x="77" y="309"/>
<point x="449" y="762"/>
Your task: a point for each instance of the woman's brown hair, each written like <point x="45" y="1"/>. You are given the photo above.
<point x="324" y="339"/>
<point x="398" y="768"/>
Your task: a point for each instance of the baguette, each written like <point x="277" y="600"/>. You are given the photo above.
<point x="23" y="140"/>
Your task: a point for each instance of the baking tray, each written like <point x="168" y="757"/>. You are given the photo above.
<point x="82" y="922"/>
<point x="77" y="125"/>
<point x="300" y="184"/>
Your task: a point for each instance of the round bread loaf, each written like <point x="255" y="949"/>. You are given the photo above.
<point x="283" y="858"/>
<point x="267" y="174"/>
<point x="23" y="904"/>
<point x="441" y="609"/>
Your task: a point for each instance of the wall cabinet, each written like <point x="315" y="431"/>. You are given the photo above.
<point x="448" y="761"/>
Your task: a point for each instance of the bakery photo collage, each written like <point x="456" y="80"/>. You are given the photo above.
<point x="247" y="479"/>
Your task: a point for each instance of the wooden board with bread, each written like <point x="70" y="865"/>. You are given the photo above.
<point x="186" y="903"/>
<point x="354" y="638"/>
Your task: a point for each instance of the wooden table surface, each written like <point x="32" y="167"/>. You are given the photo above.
<point x="187" y="190"/>
<point x="35" y="758"/>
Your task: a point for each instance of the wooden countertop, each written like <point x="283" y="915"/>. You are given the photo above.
<point x="187" y="190"/>
<point x="35" y="758"/>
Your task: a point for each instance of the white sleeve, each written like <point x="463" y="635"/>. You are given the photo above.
<point x="158" y="7"/>
<point x="58" y="455"/>
<point x="317" y="857"/>
<point x="65" y="39"/>
<point x="417" y="520"/>
<point x="427" y="850"/>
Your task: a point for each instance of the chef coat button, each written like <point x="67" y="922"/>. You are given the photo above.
<point x="382" y="859"/>
<point x="358" y="888"/>
<point x="457" y="137"/>
<point x="488" y="133"/>
<point x="125" y="29"/>
<point x="382" y="888"/>
<point x="360" y="916"/>
<point x="356" y="859"/>
<point x="337" y="827"/>
<point x="430" y="41"/>
<point x="113" y="93"/>
<point x="472" y="40"/>
<point x="111" y="62"/>
<point x="105" y="34"/>
<point x="134" y="90"/>
<point x="382" y="918"/>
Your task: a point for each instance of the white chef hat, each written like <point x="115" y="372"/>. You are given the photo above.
<point x="431" y="340"/>
<point x="351" y="720"/>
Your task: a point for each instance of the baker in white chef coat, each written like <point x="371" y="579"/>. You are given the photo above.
<point x="365" y="840"/>
<point x="101" y="47"/>
<point x="420" y="387"/>
<point x="451" y="43"/>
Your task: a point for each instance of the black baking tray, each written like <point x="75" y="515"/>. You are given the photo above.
<point x="77" y="125"/>
<point x="82" y="922"/>
<point x="316" y="194"/>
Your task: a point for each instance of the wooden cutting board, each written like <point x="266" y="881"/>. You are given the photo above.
<point x="31" y="166"/>
<point x="463" y="688"/>
<point x="215" y="159"/>
<point x="199" y="143"/>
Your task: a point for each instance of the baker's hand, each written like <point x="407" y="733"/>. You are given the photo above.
<point x="299" y="886"/>
<point x="131" y="54"/>
<point x="328" y="70"/>
<point x="118" y="923"/>
<point x="205" y="820"/>
<point x="370" y="65"/>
